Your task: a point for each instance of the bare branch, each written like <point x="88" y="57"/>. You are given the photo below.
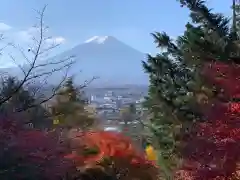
<point x="49" y="72"/>
<point x="54" y="92"/>
<point x="31" y="72"/>
<point x="4" y="99"/>
<point x="20" y="67"/>
<point x="56" y="63"/>
<point x="37" y="69"/>
<point x="87" y="82"/>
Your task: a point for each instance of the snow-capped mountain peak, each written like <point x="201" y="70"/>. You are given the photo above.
<point x="106" y="57"/>
<point x="98" y="39"/>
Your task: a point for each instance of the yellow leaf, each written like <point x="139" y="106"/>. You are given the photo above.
<point x="55" y="121"/>
<point x="151" y="153"/>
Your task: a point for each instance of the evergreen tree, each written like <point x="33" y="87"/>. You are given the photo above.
<point x="128" y="114"/>
<point x="20" y="101"/>
<point x="18" y="106"/>
<point x="236" y="16"/>
<point x="178" y="85"/>
<point x="69" y="108"/>
<point x="174" y="88"/>
<point x="219" y="69"/>
<point x="168" y="103"/>
<point x="132" y="108"/>
<point x="212" y="37"/>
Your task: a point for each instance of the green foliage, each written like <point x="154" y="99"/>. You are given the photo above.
<point x="175" y="74"/>
<point x="171" y="97"/>
<point x="69" y="108"/>
<point x="128" y="114"/>
<point x="211" y="36"/>
<point x="90" y="151"/>
<point x="176" y="83"/>
<point x="132" y="108"/>
<point x="237" y="14"/>
<point x="22" y="105"/>
<point x="20" y="100"/>
<point x="170" y="100"/>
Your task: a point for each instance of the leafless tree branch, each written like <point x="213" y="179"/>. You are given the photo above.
<point x="54" y="92"/>
<point x="87" y="82"/>
<point x="37" y="50"/>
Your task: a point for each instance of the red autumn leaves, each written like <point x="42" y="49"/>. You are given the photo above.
<point x="213" y="150"/>
<point x="225" y="77"/>
<point x="27" y="154"/>
<point x="33" y="154"/>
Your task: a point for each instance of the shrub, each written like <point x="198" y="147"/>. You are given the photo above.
<point x="30" y="154"/>
<point x="113" y="154"/>
<point x="213" y="146"/>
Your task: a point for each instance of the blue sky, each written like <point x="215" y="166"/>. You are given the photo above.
<point x="131" y="21"/>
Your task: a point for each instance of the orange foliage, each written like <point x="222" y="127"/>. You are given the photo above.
<point x="30" y="154"/>
<point x="115" y="154"/>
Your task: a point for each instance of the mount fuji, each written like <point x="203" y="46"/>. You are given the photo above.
<point x="112" y="61"/>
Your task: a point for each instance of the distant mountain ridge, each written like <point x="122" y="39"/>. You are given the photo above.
<point x="114" y="62"/>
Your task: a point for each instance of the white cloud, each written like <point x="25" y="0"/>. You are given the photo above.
<point x="27" y="36"/>
<point x="56" y="40"/>
<point x="4" y="27"/>
<point x="23" y="36"/>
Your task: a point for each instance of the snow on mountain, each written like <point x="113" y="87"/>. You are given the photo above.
<point x="114" y="62"/>
<point x="97" y="39"/>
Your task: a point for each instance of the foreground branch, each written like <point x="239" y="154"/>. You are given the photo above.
<point x="32" y="73"/>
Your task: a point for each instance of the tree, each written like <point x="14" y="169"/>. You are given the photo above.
<point x="35" y="71"/>
<point x="213" y="37"/>
<point x="171" y="101"/>
<point x="36" y="116"/>
<point x="132" y="126"/>
<point x="219" y="134"/>
<point x="132" y="108"/>
<point x="69" y="108"/>
<point x="128" y="114"/>
<point x="236" y="16"/>
<point x="178" y="85"/>
<point x="103" y="152"/>
<point x="31" y="154"/>
<point x="208" y="53"/>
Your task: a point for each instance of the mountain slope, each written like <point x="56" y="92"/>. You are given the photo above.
<point x="114" y="62"/>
